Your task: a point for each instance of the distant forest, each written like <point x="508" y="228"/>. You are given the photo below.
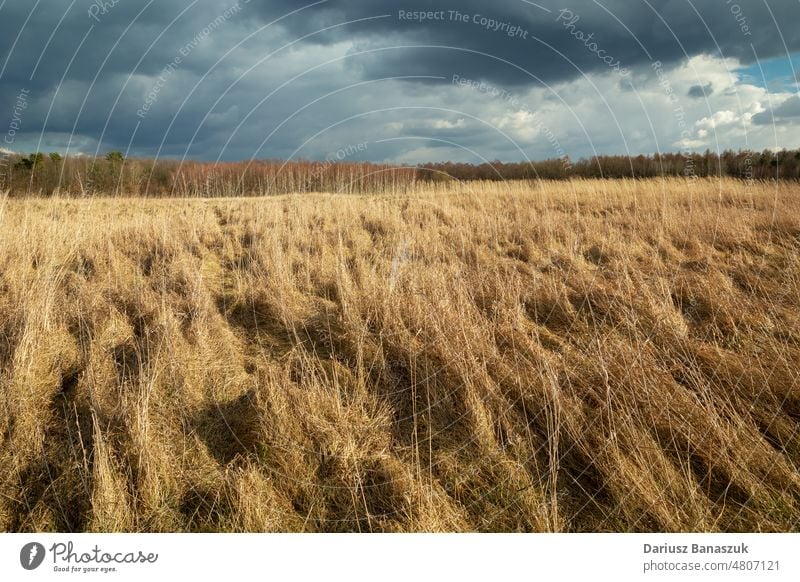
<point x="113" y="174"/>
<point x="745" y="165"/>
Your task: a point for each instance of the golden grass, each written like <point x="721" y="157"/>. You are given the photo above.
<point x="578" y="356"/>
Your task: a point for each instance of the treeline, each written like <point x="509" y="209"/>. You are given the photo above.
<point x="745" y="165"/>
<point x="41" y="175"/>
<point x="113" y="174"/>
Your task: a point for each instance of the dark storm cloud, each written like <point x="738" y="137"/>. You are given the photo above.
<point x="111" y="42"/>
<point x="552" y="45"/>
<point x="89" y="66"/>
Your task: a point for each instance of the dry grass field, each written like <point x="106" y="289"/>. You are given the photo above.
<point x="573" y="356"/>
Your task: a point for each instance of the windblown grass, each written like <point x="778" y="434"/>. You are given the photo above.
<point x="579" y="356"/>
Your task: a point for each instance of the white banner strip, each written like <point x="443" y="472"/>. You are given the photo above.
<point x="354" y="557"/>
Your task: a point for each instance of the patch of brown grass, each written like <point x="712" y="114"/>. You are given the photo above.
<point x="578" y="356"/>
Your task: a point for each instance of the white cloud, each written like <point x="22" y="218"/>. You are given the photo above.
<point x="719" y="119"/>
<point x="444" y="124"/>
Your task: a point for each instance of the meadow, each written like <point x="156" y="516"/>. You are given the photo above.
<point x="584" y="355"/>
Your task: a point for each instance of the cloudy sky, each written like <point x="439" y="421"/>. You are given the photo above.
<point x="400" y="81"/>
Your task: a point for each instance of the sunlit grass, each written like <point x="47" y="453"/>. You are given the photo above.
<point x="575" y="356"/>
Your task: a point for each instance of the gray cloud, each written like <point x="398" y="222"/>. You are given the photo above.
<point x="701" y="91"/>
<point x="788" y="110"/>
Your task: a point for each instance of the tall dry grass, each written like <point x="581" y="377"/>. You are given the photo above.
<point x="580" y="356"/>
